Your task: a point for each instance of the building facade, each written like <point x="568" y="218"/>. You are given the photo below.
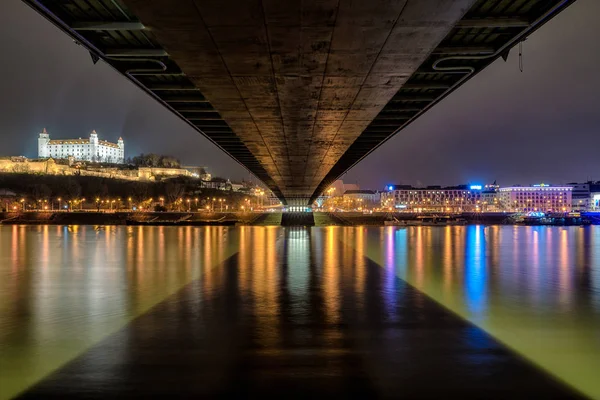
<point x="540" y="197"/>
<point x="92" y="149"/>
<point x="433" y="198"/>
<point x="489" y="199"/>
<point x="338" y="188"/>
<point x="581" y="199"/>
<point x="198" y="172"/>
<point x="585" y="196"/>
<point x="365" y="198"/>
<point x="595" y="204"/>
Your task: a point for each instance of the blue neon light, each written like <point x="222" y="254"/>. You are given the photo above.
<point x="475" y="187"/>
<point x="390" y="187"/>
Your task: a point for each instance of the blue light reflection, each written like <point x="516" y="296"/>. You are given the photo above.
<point x="475" y="270"/>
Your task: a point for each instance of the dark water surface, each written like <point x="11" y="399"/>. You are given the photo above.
<point x="417" y="312"/>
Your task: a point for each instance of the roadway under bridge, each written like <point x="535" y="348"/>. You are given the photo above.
<point x="299" y="91"/>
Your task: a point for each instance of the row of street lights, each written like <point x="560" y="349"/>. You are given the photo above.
<point x="207" y="203"/>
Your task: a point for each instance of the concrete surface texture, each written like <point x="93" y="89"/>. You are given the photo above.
<point x="298" y="81"/>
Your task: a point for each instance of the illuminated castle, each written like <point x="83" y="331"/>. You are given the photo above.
<point x="91" y="149"/>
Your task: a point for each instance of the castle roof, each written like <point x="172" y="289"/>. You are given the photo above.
<point x="69" y="141"/>
<point x="109" y="144"/>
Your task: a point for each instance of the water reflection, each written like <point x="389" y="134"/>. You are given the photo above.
<point x="476" y="270"/>
<point x="64" y="288"/>
<point x="333" y="297"/>
<point x="534" y="288"/>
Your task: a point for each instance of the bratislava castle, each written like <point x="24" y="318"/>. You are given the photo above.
<point x="91" y="149"/>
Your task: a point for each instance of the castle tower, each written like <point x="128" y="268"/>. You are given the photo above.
<point x="121" y="145"/>
<point x="94" y="137"/>
<point x="94" y="149"/>
<point x="43" y="141"/>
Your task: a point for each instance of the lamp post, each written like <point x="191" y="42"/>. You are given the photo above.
<point x="188" y="201"/>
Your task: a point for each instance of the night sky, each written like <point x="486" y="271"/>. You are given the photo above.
<point x="515" y="127"/>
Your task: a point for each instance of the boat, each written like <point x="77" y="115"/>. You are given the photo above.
<point x="556" y="219"/>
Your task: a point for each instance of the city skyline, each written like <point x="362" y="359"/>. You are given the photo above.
<point x="552" y="139"/>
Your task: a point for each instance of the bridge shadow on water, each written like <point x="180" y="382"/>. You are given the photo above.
<point x="301" y="315"/>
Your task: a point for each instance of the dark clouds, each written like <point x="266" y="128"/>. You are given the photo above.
<point x="539" y="125"/>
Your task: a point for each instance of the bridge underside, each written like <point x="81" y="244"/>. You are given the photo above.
<point x="298" y="92"/>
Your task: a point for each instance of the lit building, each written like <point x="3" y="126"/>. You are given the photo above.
<point x="91" y="149"/>
<point x="433" y="198"/>
<point x="581" y="200"/>
<point x="536" y="198"/>
<point x="6" y="198"/>
<point x="583" y="195"/>
<point x="489" y="198"/>
<point x="595" y="203"/>
<point x="198" y="172"/>
<point x="363" y="198"/>
<point x="338" y="188"/>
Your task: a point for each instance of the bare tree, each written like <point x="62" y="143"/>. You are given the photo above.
<point x="39" y="192"/>
<point x="140" y="191"/>
<point x="72" y="188"/>
<point x="173" y="191"/>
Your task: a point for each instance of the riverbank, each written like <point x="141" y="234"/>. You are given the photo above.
<point x="227" y="218"/>
<point x="125" y="218"/>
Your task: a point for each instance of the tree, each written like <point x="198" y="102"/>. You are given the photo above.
<point x="72" y="188"/>
<point x="104" y="190"/>
<point x="173" y="191"/>
<point x="169" y="162"/>
<point x="140" y="191"/>
<point x="155" y="160"/>
<point x="39" y="192"/>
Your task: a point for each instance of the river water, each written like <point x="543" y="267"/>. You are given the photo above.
<point x="378" y="311"/>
